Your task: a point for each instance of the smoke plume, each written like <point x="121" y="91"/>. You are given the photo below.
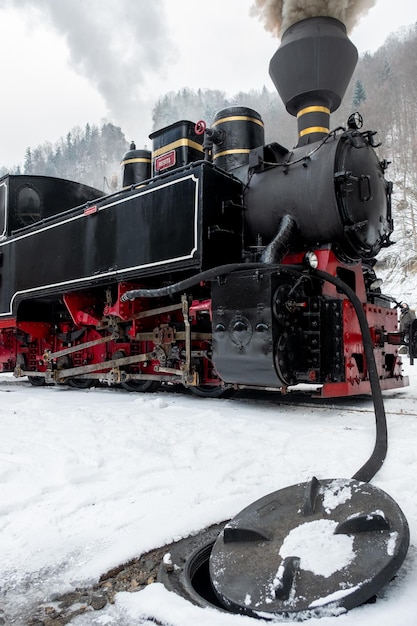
<point x="119" y="46"/>
<point x="278" y="15"/>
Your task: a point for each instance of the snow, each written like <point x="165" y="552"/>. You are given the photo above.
<point x="338" y="492"/>
<point x="392" y="542"/>
<point x="333" y="597"/>
<point x="90" y="479"/>
<point x="310" y="542"/>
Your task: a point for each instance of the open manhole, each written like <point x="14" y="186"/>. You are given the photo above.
<point x="185" y="569"/>
<point x="309" y="548"/>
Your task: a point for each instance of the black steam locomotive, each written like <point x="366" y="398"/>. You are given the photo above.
<point x="210" y="267"/>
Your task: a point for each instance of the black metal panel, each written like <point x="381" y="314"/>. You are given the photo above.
<point x="242" y="330"/>
<point x="268" y="331"/>
<point x="180" y="221"/>
<point x="132" y="234"/>
<point x="221" y="199"/>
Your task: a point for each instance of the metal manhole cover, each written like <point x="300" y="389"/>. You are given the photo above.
<point x="331" y="544"/>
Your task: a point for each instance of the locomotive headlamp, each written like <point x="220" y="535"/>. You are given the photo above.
<point x="311" y="260"/>
<point x="355" y="121"/>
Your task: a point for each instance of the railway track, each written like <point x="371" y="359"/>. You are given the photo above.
<point x="358" y="404"/>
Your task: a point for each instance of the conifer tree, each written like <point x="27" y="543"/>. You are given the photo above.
<point x="359" y="95"/>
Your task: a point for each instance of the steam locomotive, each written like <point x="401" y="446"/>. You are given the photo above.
<point x="210" y="268"/>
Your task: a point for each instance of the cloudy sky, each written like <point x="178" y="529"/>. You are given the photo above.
<point x="69" y="62"/>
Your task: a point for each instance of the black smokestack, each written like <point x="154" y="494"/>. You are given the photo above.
<point x="311" y="71"/>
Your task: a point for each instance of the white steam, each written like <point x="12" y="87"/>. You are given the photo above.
<point x="119" y="46"/>
<point x="278" y="15"/>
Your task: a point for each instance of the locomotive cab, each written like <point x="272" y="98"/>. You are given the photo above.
<point x="27" y="199"/>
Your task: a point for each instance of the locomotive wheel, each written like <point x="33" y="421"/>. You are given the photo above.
<point x="141" y="386"/>
<point x="207" y="391"/>
<point x="80" y="383"/>
<point x="210" y="391"/>
<point x="36" y="381"/>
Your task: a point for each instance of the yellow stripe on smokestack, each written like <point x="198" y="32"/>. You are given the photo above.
<point x="313" y="122"/>
<point x="313" y="109"/>
<point x="314" y="130"/>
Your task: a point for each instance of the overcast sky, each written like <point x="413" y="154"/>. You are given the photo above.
<point x="69" y="62"/>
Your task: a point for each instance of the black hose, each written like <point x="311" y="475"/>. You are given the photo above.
<point x="375" y="461"/>
<point x="169" y="290"/>
<point x="273" y="254"/>
<point x="276" y="250"/>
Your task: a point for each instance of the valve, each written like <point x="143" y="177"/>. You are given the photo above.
<point x="200" y="127"/>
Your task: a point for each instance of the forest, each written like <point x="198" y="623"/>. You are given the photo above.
<point x="383" y="89"/>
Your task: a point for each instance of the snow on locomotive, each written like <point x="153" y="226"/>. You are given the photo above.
<point x="202" y="271"/>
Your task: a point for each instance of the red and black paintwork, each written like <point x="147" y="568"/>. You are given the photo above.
<point x="270" y="331"/>
<point x="186" y="221"/>
<point x="199" y="274"/>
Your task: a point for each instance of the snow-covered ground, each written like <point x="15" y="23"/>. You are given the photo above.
<point x="91" y="479"/>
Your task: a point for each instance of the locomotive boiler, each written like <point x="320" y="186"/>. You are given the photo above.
<point x="223" y="263"/>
